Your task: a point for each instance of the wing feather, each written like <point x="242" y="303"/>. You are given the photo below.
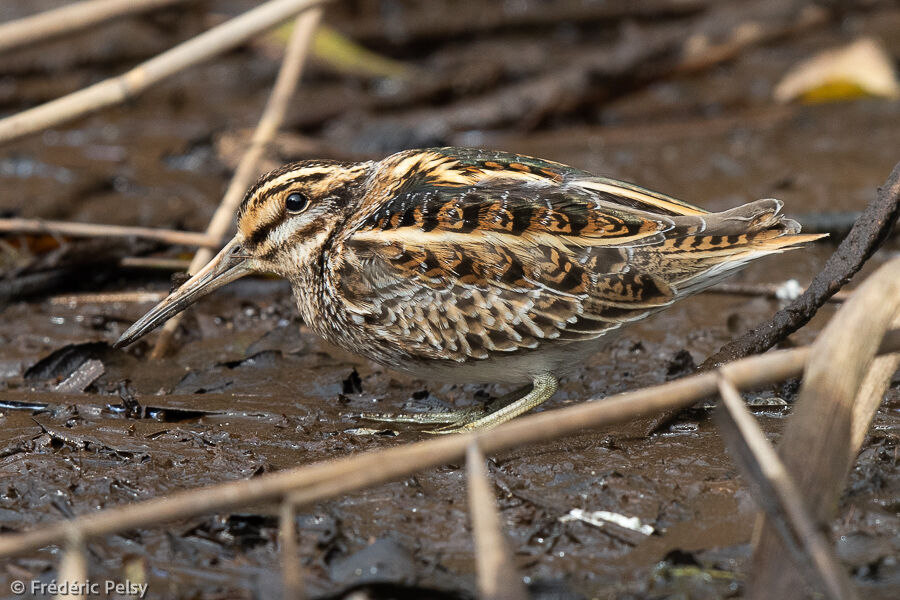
<point x="484" y="257"/>
<point x="465" y="254"/>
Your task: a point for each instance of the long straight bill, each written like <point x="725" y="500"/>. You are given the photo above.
<point x="229" y="264"/>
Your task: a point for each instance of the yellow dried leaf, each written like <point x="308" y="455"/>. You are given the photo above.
<point x="345" y="55"/>
<point x="864" y="68"/>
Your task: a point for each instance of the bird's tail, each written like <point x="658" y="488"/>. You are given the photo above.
<point x="709" y="247"/>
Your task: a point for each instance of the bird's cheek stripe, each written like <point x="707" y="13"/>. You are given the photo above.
<point x="259" y="234"/>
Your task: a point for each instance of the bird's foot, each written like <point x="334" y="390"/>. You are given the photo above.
<point x="494" y="413"/>
<point x="427" y="418"/>
<point x="542" y="388"/>
<point x="449" y="418"/>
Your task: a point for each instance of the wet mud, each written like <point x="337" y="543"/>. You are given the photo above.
<point x="251" y="390"/>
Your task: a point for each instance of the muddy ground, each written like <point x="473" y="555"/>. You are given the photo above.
<point x="250" y="390"/>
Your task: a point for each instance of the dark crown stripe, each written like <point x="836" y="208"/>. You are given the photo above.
<point x="276" y="189"/>
<point x="327" y="167"/>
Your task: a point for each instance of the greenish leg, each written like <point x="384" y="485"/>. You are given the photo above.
<point x="543" y="387"/>
<point x="450" y="417"/>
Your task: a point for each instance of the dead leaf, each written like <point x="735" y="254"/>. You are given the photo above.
<point x="864" y="68"/>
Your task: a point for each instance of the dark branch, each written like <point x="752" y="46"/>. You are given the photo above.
<point x="869" y="232"/>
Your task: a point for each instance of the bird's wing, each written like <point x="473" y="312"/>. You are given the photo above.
<point x="495" y="253"/>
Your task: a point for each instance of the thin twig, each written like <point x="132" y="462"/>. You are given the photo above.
<point x="125" y="87"/>
<point x="497" y="576"/>
<point x="247" y="170"/>
<point x="72" y="18"/>
<point x="95" y="230"/>
<point x="867" y="234"/>
<point x="777" y="494"/>
<point x="763" y="290"/>
<point x="328" y="479"/>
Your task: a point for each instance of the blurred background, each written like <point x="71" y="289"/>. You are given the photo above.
<point x="678" y="95"/>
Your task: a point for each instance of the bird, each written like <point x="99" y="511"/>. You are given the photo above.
<point x="477" y="266"/>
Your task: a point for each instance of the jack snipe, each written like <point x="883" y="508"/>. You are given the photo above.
<point x="477" y="266"/>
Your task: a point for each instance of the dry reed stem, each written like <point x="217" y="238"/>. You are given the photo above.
<point x="497" y="576"/>
<point x="155" y="262"/>
<point x="93" y="230"/>
<point x="72" y="18"/>
<point x="817" y="443"/>
<point x="328" y="479"/>
<point x="124" y="87"/>
<point x="136" y="297"/>
<point x="777" y="495"/>
<point x="875" y="383"/>
<point x="247" y="170"/>
<point x="73" y="568"/>
<point x="291" y="581"/>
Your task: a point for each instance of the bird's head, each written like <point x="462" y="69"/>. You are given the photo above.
<point x="283" y="223"/>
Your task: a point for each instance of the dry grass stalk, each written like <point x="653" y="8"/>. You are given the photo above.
<point x="127" y="86"/>
<point x="155" y="262"/>
<point x="170" y="236"/>
<point x="291" y="580"/>
<point x="73" y="568"/>
<point x="875" y="383"/>
<point x="328" y="479"/>
<point x="820" y="440"/>
<point x="497" y="576"/>
<point x="247" y="170"/>
<point x="72" y="18"/>
<point x="778" y="496"/>
<point x="137" y="297"/>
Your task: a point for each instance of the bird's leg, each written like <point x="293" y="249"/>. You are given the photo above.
<point x="449" y="417"/>
<point x="543" y="387"/>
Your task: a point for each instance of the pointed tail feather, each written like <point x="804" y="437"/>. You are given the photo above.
<point x="730" y="239"/>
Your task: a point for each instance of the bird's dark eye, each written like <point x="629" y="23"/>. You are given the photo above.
<point x="296" y="202"/>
